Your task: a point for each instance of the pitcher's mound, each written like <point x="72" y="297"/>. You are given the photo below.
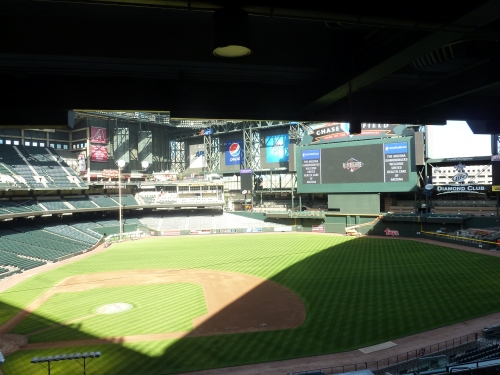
<point x="114" y="308"/>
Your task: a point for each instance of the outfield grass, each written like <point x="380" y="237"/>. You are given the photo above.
<point x="357" y="292"/>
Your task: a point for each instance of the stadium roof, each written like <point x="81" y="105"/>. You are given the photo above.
<point x="382" y="61"/>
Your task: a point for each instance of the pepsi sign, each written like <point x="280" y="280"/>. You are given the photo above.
<point x="234" y="152"/>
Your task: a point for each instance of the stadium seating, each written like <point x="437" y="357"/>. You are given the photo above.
<point x="54" y="205"/>
<point x="39" y="168"/>
<point x="81" y="203"/>
<point x="127" y="200"/>
<point x="148" y="197"/>
<point x="103" y="201"/>
<point x="475" y="354"/>
<point x="71" y="233"/>
<point x="38" y="237"/>
<point x="199" y="220"/>
<point x="86" y="227"/>
<point x="20" y="247"/>
<point x="19" y="206"/>
<point x="22" y="263"/>
<point x="27" y="247"/>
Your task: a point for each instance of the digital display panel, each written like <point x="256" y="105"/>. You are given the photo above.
<point x="277" y="148"/>
<point x="374" y="166"/>
<point x="456" y="140"/>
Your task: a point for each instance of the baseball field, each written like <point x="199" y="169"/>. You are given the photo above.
<point x="174" y="304"/>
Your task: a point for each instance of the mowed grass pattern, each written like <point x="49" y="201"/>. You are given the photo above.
<point x="357" y="292"/>
<point x="156" y="309"/>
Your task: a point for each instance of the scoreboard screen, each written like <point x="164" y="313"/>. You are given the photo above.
<point x="375" y="166"/>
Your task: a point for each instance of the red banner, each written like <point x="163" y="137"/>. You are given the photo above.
<point x="99" y="153"/>
<point x="98" y="135"/>
<point x="318" y="228"/>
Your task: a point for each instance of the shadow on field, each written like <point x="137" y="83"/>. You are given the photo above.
<point x="259" y="326"/>
<point x="356" y="293"/>
<point x="18" y="350"/>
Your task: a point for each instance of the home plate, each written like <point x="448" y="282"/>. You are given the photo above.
<point x="376" y="348"/>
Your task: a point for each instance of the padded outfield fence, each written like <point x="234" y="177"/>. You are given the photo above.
<point x="467" y="241"/>
<point x="399" y="363"/>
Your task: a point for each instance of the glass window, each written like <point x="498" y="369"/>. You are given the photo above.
<point x="35" y="144"/>
<point x="16" y="143"/>
<point x="8" y="142"/>
<point x="26" y="143"/>
<point x="1" y="141"/>
<point x="65" y="147"/>
<point x="42" y="144"/>
<point x="51" y="145"/>
<point x="58" y="145"/>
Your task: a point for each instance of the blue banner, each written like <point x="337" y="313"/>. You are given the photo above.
<point x="277" y="148"/>
<point x="396" y="148"/>
<point x="310" y="154"/>
<point x="233" y="151"/>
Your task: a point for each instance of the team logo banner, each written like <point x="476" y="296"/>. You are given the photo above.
<point x="333" y="131"/>
<point x="98" y="135"/>
<point x="234" y="152"/>
<point x="99" y="153"/>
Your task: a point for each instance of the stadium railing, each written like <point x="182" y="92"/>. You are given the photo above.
<point x="407" y="361"/>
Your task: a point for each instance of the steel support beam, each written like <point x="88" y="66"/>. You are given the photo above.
<point x="251" y="146"/>
<point x="178" y="156"/>
<point x="479" y="17"/>
<point x="212" y="153"/>
<point x="481" y="77"/>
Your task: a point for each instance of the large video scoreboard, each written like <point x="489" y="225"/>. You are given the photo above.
<point x="380" y="165"/>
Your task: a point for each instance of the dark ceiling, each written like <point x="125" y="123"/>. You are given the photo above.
<point x="380" y="61"/>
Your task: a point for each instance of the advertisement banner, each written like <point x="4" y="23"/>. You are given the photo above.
<point x="227" y="230"/>
<point x="253" y="230"/>
<point x="318" y="229"/>
<point x="112" y="173"/>
<point x="202" y="231"/>
<point x="390" y="232"/>
<point x="197" y="156"/>
<point x="170" y="232"/>
<point x="98" y="135"/>
<point x="277" y="148"/>
<point x="233" y="151"/>
<point x="99" y="154"/>
<point x="282" y="229"/>
<point x="82" y="162"/>
<point x="335" y="131"/>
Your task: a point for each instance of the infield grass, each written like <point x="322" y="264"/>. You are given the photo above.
<point x="173" y="310"/>
<point x="357" y="292"/>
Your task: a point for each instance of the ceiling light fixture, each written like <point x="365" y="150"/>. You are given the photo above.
<point x="231" y="33"/>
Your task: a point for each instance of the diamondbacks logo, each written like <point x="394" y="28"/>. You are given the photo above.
<point x="98" y="135"/>
<point x="352" y="165"/>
